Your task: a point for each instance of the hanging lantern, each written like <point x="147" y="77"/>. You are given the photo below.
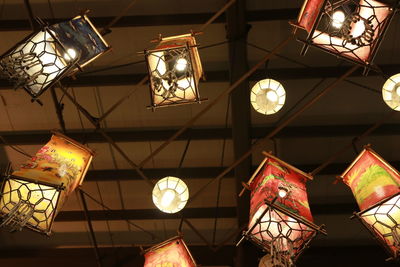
<point x="391" y="92"/>
<point x="172" y="252"/>
<point x="267" y="96"/>
<point x="33" y="195"/>
<point x="280" y="218"/>
<point x="350" y="29"/>
<point x="44" y="57"/>
<point x="170" y="194"/>
<point x="376" y="187"/>
<point x="175" y="70"/>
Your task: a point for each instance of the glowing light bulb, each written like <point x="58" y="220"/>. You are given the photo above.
<point x="282" y="192"/>
<point x="181" y="64"/>
<point x="70" y="54"/>
<point x="167" y="198"/>
<point x="272" y="96"/>
<point x="337" y="19"/>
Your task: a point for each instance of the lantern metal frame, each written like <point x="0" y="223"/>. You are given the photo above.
<point x="328" y="6"/>
<point x="16" y="225"/>
<point x="375" y="234"/>
<point x="13" y="66"/>
<point x="193" y="66"/>
<point x="272" y="207"/>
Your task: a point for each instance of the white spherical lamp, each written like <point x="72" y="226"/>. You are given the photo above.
<point x="267" y="96"/>
<point x="170" y="194"/>
<point x="391" y="92"/>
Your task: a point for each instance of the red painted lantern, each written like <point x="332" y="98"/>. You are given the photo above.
<point x="280" y="219"/>
<point x="172" y="252"/>
<point x="351" y="29"/>
<point x="376" y="187"/>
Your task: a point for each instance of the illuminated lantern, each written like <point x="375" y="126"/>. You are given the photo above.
<point x="33" y="195"/>
<point x="376" y="187"/>
<point x="175" y="70"/>
<point x="170" y="194"/>
<point x="280" y="218"/>
<point x="391" y="92"/>
<point x="351" y="29"/>
<point x="267" y="96"/>
<point x="44" y="57"/>
<point x="172" y="252"/>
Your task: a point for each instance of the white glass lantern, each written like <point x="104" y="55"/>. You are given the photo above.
<point x="170" y="194"/>
<point x="391" y="92"/>
<point x="267" y="96"/>
<point x="46" y="56"/>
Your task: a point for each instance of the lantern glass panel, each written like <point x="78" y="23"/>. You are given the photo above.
<point x="351" y="29"/>
<point x="36" y="63"/>
<point x="280" y="217"/>
<point x="170" y="194"/>
<point x="376" y="186"/>
<point x="172" y="252"/>
<point x="38" y="190"/>
<point x="175" y="70"/>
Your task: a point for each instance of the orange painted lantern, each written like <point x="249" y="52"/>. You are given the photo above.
<point x="174" y="71"/>
<point x="376" y="186"/>
<point x="280" y="218"/>
<point x="33" y="195"/>
<point x="172" y="252"/>
<point x="350" y="29"/>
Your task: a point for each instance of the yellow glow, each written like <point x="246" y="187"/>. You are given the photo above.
<point x="181" y="64"/>
<point x="167" y="198"/>
<point x="267" y="96"/>
<point x="391" y="92"/>
<point x="337" y="19"/>
<point x="70" y="54"/>
<point x="282" y="193"/>
<point x="170" y="194"/>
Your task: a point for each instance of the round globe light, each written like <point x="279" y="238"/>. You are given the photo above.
<point x="267" y="96"/>
<point x="391" y="92"/>
<point x="170" y="194"/>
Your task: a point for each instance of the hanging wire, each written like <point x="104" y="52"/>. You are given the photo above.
<point x="221" y="165"/>
<point x="308" y="66"/>
<point x="153" y="236"/>
<point x="15" y="148"/>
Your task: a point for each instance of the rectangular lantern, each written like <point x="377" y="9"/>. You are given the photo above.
<point x="44" y="57"/>
<point x="280" y="218"/>
<point x="376" y="187"/>
<point x="350" y="29"/>
<point x="172" y="252"/>
<point x="174" y="71"/>
<point x="33" y="195"/>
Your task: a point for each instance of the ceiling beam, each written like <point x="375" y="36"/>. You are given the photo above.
<point x="216" y="76"/>
<point x="145" y="214"/>
<point x="144" y="135"/>
<point x="161" y="20"/>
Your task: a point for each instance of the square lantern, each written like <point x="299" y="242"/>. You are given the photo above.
<point x="350" y="29"/>
<point x="280" y="218"/>
<point x="33" y="195"/>
<point x="376" y="187"/>
<point x="172" y="252"/>
<point x="44" y="57"/>
<point x="175" y="70"/>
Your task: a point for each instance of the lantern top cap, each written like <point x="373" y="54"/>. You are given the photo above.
<point x="368" y="148"/>
<point x="155" y="247"/>
<point x="72" y="141"/>
<point x="270" y="156"/>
